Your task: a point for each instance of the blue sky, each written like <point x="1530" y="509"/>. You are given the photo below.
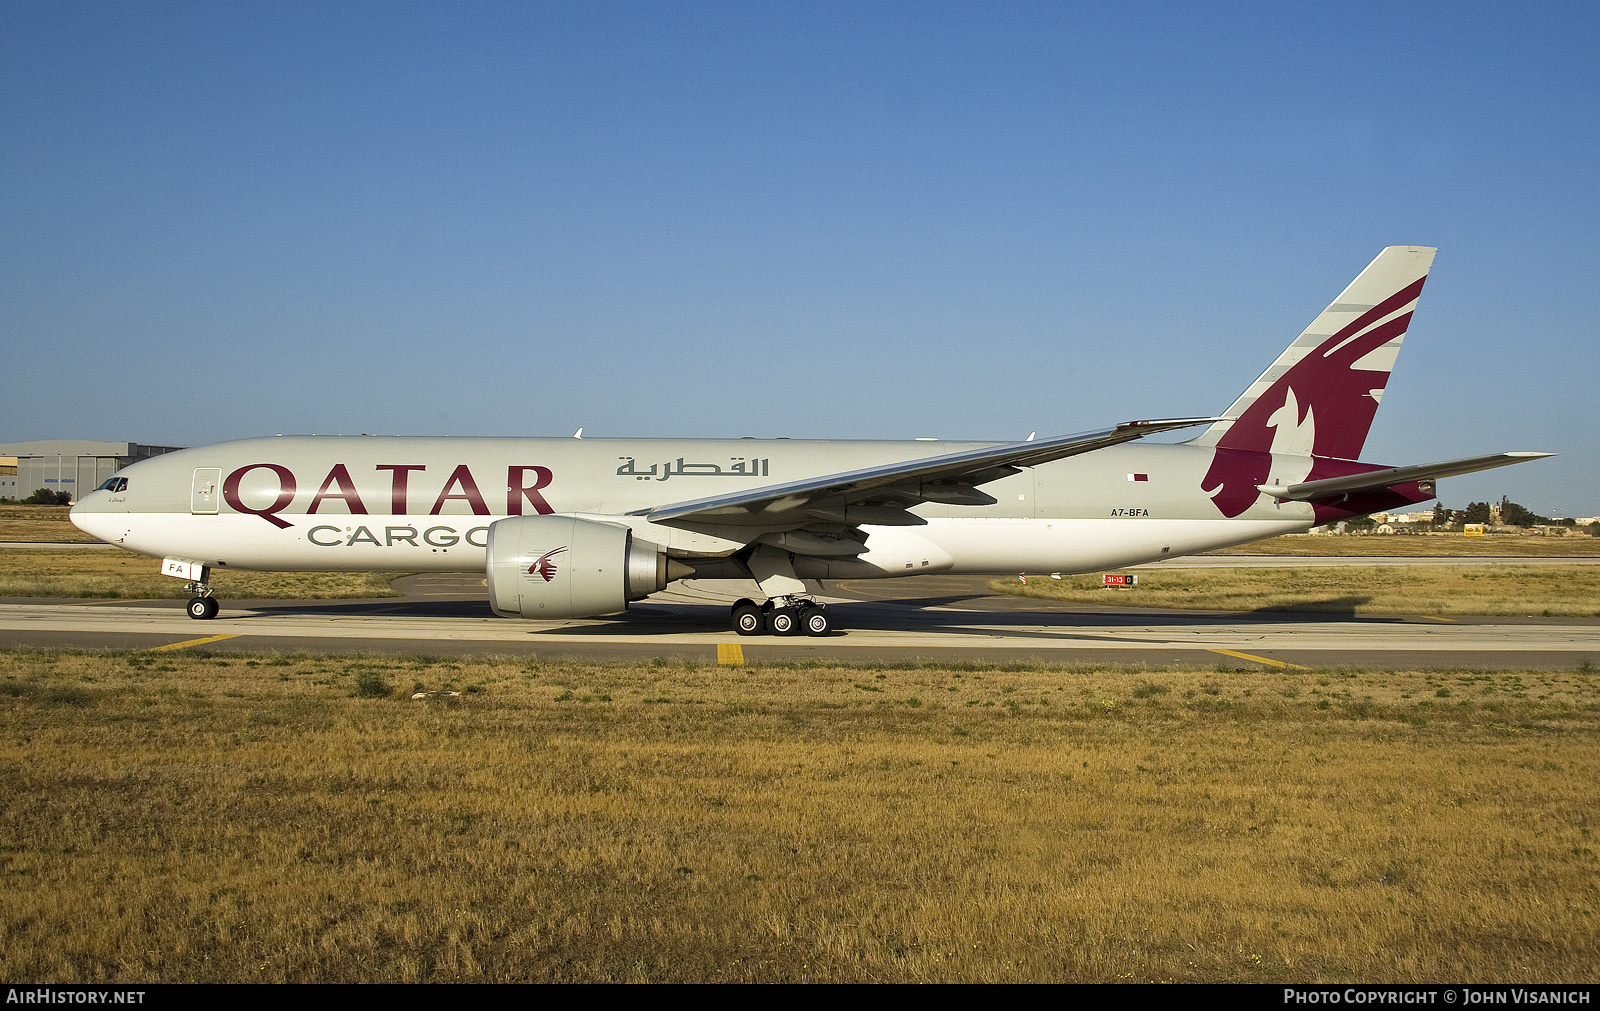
<point x="815" y="220"/>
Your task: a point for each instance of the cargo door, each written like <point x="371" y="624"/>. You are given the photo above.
<point x="203" y="496"/>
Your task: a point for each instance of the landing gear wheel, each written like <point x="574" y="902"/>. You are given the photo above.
<point x="784" y="621"/>
<point x="816" y="621"/>
<point x="203" y="608"/>
<point x="748" y="619"/>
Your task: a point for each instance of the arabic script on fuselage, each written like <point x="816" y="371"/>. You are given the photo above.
<point x="738" y="466"/>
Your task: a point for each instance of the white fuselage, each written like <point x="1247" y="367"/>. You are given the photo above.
<point x="413" y="504"/>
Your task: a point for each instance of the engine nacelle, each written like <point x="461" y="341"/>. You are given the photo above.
<point x="565" y="567"/>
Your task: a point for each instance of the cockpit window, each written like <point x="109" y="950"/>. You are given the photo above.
<point x="113" y="484"/>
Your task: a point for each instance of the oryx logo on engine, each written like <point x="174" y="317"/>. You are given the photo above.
<point x="545" y="565"/>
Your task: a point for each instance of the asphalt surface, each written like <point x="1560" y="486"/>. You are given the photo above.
<point x="940" y="619"/>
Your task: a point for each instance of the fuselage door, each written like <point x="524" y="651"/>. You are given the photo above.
<point x="203" y="496"/>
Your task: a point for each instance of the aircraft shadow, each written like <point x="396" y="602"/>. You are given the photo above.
<point x="932" y="614"/>
<point x="949" y="611"/>
<point x="916" y="616"/>
<point x="384" y="607"/>
<point x="1321" y="609"/>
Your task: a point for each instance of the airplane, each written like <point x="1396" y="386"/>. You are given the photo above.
<point x="580" y="527"/>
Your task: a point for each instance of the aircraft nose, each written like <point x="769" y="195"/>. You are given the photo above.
<point x="82" y="512"/>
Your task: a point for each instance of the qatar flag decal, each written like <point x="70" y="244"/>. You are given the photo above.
<point x="545" y="565"/>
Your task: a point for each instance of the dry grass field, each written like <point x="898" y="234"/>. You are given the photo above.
<point x="114" y="573"/>
<point x="118" y="574"/>
<point x="1413" y="589"/>
<point x="1441" y="545"/>
<point x="38" y="523"/>
<point x="175" y="816"/>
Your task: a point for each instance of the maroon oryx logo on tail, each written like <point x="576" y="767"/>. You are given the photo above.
<point x="545" y="565"/>
<point x="1320" y="405"/>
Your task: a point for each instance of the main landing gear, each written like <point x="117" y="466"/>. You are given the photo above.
<point x="789" y="609"/>
<point x="785" y="615"/>
<point x="202" y="606"/>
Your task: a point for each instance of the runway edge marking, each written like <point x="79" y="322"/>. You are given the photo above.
<point x="730" y="653"/>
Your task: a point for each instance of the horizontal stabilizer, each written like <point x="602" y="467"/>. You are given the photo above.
<point x="1375" y="479"/>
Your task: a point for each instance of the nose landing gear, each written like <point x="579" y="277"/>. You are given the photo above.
<point x="203" y="606"/>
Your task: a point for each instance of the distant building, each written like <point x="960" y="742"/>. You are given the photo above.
<point x="74" y="466"/>
<point x="1401" y="519"/>
<point x="8" y="477"/>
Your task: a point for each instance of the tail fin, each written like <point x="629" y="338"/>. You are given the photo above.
<point x="1319" y="397"/>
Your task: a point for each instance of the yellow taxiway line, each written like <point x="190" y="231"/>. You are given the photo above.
<point x="190" y="642"/>
<point x="1258" y="659"/>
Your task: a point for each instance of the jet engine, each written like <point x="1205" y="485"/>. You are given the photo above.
<point x="565" y="567"/>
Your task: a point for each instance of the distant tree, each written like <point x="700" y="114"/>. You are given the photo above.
<point x="1519" y="516"/>
<point x="1441" y="515"/>
<point x="44" y="496"/>
<point x="1477" y="512"/>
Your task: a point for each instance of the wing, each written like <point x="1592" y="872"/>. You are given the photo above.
<point x="881" y="495"/>
<point x="1372" y="480"/>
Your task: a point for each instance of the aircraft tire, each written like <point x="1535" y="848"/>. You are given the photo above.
<point x="203" y="608"/>
<point x="748" y="619"/>
<point x="816" y="621"/>
<point x="783" y="621"/>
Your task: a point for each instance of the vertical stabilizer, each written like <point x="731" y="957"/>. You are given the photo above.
<point x="1319" y="397"/>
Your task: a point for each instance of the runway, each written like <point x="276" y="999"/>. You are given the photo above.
<point x="1343" y="561"/>
<point x="940" y="619"/>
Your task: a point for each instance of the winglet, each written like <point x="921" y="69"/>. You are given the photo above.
<point x="1167" y="424"/>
